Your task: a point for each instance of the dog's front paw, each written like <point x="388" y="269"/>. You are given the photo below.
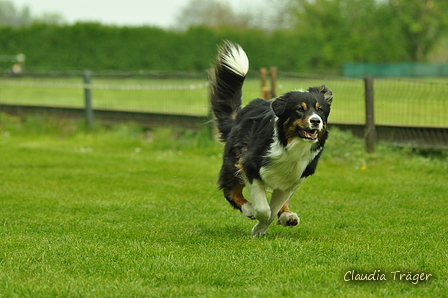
<point x="259" y="230"/>
<point x="288" y="219"/>
<point x="248" y="210"/>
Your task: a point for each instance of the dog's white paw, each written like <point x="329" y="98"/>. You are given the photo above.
<point x="248" y="210"/>
<point x="288" y="219"/>
<point x="259" y="230"/>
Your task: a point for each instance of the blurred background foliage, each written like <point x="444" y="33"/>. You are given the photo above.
<point x="311" y="36"/>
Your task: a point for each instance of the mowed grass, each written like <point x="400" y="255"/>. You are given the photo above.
<point x="397" y="101"/>
<point x="122" y="212"/>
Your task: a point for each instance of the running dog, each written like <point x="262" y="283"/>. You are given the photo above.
<point x="270" y="144"/>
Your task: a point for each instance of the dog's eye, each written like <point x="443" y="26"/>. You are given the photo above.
<point x="319" y="109"/>
<point x="299" y="109"/>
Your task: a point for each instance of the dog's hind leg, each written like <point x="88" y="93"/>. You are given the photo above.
<point x="235" y="197"/>
<point x="230" y="180"/>
<point x="287" y="218"/>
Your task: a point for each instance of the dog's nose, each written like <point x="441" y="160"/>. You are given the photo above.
<point x="315" y="121"/>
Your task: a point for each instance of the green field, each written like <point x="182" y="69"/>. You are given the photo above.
<point x="400" y="102"/>
<point x="122" y="212"/>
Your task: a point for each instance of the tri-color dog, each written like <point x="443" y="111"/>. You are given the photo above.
<point x="270" y="144"/>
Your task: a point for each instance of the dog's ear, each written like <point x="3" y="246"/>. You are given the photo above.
<point x="325" y="91"/>
<point x="279" y="106"/>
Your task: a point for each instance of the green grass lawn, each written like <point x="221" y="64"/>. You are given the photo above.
<point x="121" y="212"/>
<point x="400" y="102"/>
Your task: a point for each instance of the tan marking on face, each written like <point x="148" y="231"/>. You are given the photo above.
<point x="291" y="130"/>
<point x="317" y="106"/>
<point x="304" y="106"/>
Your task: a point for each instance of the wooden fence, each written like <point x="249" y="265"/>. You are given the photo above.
<point x="398" y="135"/>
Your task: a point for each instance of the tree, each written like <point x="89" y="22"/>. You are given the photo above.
<point x="50" y="18"/>
<point x="422" y="22"/>
<point x="11" y="16"/>
<point x="337" y="31"/>
<point x="370" y="30"/>
<point x="204" y="12"/>
<point x="217" y="14"/>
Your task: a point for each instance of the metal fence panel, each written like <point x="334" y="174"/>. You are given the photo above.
<point x="359" y="70"/>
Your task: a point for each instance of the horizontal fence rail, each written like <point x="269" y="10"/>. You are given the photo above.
<point x="407" y="112"/>
<point x="143" y="119"/>
<point x="103" y="86"/>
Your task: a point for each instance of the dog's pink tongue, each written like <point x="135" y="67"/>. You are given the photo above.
<point x="312" y="136"/>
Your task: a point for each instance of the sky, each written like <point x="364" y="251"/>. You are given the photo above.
<point x="161" y="13"/>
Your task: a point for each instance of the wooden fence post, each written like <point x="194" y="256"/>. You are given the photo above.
<point x="370" y="133"/>
<point x="264" y="88"/>
<point x="88" y="99"/>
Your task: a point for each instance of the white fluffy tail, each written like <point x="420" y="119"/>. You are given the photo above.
<point x="226" y="81"/>
<point x="235" y="59"/>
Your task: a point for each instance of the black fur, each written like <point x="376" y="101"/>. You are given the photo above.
<point x="249" y="132"/>
<point x="225" y="94"/>
<point x="252" y="133"/>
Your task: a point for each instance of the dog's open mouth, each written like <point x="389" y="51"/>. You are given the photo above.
<point x="309" y="134"/>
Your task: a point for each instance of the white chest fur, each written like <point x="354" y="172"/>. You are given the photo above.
<point x="286" y="166"/>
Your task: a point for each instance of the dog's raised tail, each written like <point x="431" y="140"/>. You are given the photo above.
<point x="226" y="81"/>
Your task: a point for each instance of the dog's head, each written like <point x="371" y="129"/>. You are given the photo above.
<point x="303" y="114"/>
